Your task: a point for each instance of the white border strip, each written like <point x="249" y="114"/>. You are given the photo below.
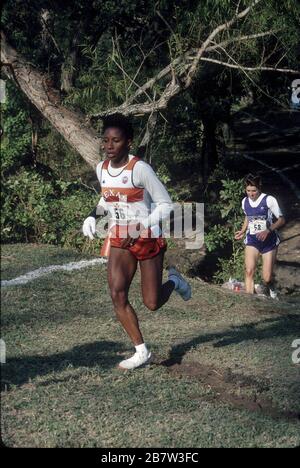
<point x="32" y="275"/>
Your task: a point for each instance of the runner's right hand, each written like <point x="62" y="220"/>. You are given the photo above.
<point x="89" y="227"/>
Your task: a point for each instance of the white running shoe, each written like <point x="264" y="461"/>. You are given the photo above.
<point x="273" y="294"/>
<point x="137" y="360"/>
<point x="183" y="288"/>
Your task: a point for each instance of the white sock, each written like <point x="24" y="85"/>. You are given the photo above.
<point x="175" y="280"/>
<point x="141" y="348"/>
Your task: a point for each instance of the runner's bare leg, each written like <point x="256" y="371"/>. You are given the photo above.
<point x="251" y="257"/>
<point x="121" y="269"/>
<point x="155" y="294"/>
<point x="269" y="260"/>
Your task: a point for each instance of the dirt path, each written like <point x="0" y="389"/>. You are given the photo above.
<point x="288" y="263"/>
<point x="226" y="387"/>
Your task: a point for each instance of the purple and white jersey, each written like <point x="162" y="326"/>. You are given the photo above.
<point x="260" y="212"/>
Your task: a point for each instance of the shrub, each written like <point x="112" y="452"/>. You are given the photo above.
<point x="228" y="210"/>
<point x="46" y="211"/>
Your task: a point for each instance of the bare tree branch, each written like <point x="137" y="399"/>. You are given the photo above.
<point x="249" y="77"/>
<point x="132" y="81"/>
<point x="145" y="56"/>
<point x="242" y="67"/>
<point x="238" y="39"/>
<point x="189" y="55"/>
<point x="212" y="35"/>
<point x="116" y="47"/>
<point x="43" y="18"/>
<point x="179" y="66"/>
<point x="146" y="107"/>
<point x="149" y="84"/>
<point x="237" y="7"/>
<point x="149" y="129"/>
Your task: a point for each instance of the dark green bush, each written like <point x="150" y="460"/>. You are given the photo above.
<point x="46" y="211"/>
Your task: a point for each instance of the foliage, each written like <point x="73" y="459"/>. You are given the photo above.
<point x="55" y="153"/>
<point x="16" y="138"/>
<point x="118" y="46"/>
<point x="45" y="211"/>
<point x="37" y="205"/>
<point x="221" y="236"/>
<point x="27" y="209"/>
<point x="228" y="210"/>
<point x="234" y="267"/>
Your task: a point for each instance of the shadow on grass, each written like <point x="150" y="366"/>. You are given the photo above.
<point x="274" y="327"/>
<point x="20" y="370"/>
<point x="289" y="264"/>
<point x="289" y="238"/>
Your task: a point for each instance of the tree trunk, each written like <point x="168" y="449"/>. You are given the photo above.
<point x="37" y="87"/>
<point x="67" y="73"/>
<point x="69" y="66"/>
<point x="209" y="149"/>
<point x="209" y="153"/>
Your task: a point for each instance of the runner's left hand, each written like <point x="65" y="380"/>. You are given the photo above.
<point x="263" y="235"/>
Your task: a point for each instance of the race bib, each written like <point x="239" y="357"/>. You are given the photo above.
<point x="257" y="225"/>
<point x="120" y="212"/>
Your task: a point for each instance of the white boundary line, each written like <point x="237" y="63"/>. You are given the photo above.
<point x="32" y="275"/>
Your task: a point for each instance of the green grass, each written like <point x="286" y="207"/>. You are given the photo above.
<point x="18" y="259"/>
<point x="61" y="386"/>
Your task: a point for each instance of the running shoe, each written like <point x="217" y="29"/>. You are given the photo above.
<point x="273" y="294"/>
<point x="183" y="288"/>
<point x="137" y="360"/>
<point x="261" y="290"/>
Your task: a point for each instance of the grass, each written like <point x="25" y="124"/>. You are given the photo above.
<point x="222" y="375"/>
<point x="18" y="259"/>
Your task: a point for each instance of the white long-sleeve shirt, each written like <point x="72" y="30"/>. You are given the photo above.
<point x="157" y="203"/>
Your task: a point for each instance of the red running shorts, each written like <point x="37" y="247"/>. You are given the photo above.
<point x="142" y="249"/>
